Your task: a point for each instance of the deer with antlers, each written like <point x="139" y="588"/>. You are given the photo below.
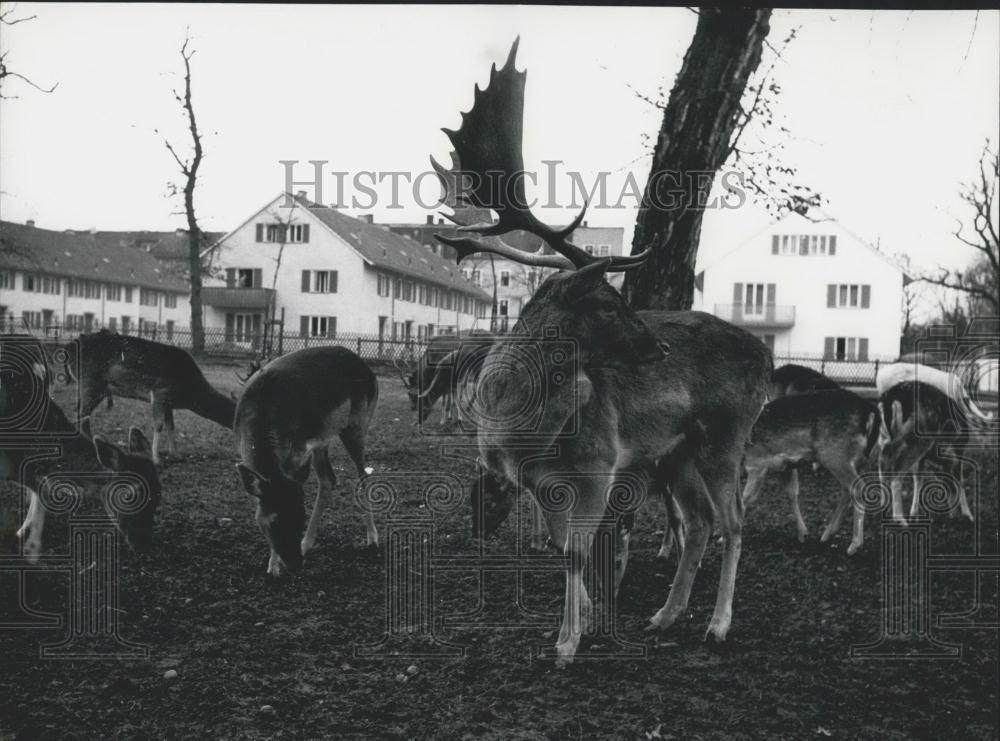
<point x="628" y="409"/>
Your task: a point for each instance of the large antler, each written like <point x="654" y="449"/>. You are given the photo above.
<point x="488" y="174"/>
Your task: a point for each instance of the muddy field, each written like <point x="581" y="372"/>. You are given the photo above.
<point x="200" y="604"/>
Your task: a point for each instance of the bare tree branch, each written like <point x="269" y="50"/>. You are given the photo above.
<point x="7" y="19"/>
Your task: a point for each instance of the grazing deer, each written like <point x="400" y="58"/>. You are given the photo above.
<point x="835" y="428"/>
<point x="798" y="379"/>
<point x="949" y="383"/>
<point x="79" y="458"/>
<point x="629" y="406"/>
<point x="434" y="376"/>
<point x="289" y="412"/>
<point x="166" y="376"/>
<point x="925" y="426"/>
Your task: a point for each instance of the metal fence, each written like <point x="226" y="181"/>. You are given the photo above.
<point x="845" y="372"/>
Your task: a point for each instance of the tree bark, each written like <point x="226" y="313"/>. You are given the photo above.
<point x="693" y="143"/>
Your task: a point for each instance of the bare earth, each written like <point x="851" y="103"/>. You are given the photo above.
<point x="201" y="604"/>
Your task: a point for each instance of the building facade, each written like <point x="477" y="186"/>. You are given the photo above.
<point x="809" y="288"/>
<point x="327" y="273"/>
<point x="52" y="282"/>
<point x="515" y="283"/>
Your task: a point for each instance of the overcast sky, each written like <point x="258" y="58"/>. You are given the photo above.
<point x="888" y="110"/>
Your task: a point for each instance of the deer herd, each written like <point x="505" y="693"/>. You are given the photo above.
<point x="673" y="405"/>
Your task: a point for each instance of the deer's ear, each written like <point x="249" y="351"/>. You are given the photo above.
<point x="110" y="456"/>
<point x="137" y="443"/>
<point x="252" y="481"/>
<point x="585" y="281"/>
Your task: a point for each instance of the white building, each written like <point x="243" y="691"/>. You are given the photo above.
<point x="515" y="283"/>
<point x="809" y="288"/>
<point x="330" y="274"/>
<point x="70" y="281"/>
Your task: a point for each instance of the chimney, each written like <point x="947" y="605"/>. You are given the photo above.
<point x="430" y="220"/>
<point x="584" y="224"/>
<point x="30" y="222"/>
<point x="440" y="222"/>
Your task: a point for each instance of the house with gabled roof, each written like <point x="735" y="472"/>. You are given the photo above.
<point x="72" y="281"/>
<point x="327" y="273"/>
<point x="809" y="287"/>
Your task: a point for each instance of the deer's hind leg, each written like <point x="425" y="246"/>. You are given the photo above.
<point x="163" y="422"/>
<point x="353" y="437"/>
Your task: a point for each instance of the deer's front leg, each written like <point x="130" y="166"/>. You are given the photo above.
<point x="34" y="523"/>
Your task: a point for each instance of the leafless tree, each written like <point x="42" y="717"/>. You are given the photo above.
<point x="980" y="281"/>
<point x="696" y="136"/>
<point x="189" y="169"/>
<point x="8" y="18"/>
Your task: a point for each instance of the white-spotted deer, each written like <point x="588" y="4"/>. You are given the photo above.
<point x="631" y="407"/>
<point x="79" y="457"/>
<point x="165" y="376"/>
<point x="287" y="415"/>
<point x="834" y="428"/>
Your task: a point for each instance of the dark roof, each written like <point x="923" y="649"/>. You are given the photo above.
<point x="167" y="246"/>
<point x="391" y="251"/>
<point x="74" y="255"/>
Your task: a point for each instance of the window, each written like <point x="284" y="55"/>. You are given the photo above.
<point x="397" y="288"/>
<point x="113" y="292"/>
<point x="128" y="299"/>
<point x="504" y="278"/>
<point x="113" y="323"/>
<point x="126" y="324"/>
<point x="294" y="233"/>
<point x="319" y="281"/>
<point x="408" y="290"/>
<point x="239" y="327"/>
<point x="848" y="296"/>
<point x="41" y="284"/>
<point x="605" y="250"/>
<point x="33" y="319"/>
<point x="803" y="244"/>
<point x="244" y="278"/>
<point x="6" y="280"/>
<point x="589" y="248"/>
<point x="503" y="307"/>
<point x="148" y="297"/>
<point x="28" y="283"/>
<point x="318" y="326"/>
<point x="170" y="329"/>
<point x="845" y="348"/>
<point x="170" y="300"/>
<point x="477" y="277"/>
<point x="383" y="285"/>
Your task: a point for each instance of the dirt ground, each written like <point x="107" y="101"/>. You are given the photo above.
<point x="201" y="605"/>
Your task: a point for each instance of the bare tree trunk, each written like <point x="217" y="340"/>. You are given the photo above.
<point x="693" y="143"/>
<point x="190" y="172"/>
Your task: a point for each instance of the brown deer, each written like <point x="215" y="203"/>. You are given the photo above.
<point x="166" y="376"/>
<point x="613" y="403"/>
<point x="835" y="428"/>
<point x="79" y="456"/>
<point x="289" y="412"/>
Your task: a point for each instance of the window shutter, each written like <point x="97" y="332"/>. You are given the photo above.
<point x="862" y="348"/>
<point x="737" y="293"/>
<point x="260" y="232"/>
<point x="333" y="281"/>
<point x="305" y="232"/>
<point x="305" y="281"/>
<point x="831" y="295"/>
<point x="866" y="296"/>
<point x="833" y="244"/>
<point x="230" y="277"/>
<point x="804" y="245"/>
<point x="304" y="326"/>
<point x="774" y="244"/>
<point x="771" y="290"/>
<point x="258" y="277"/>
<point x="828" y="348"/>
<point x="331" y="326"/>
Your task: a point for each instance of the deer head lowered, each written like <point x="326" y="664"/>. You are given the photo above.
<point x="583" y="394"/>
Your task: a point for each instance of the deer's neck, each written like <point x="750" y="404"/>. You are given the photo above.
<point x="213" y="405"/>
